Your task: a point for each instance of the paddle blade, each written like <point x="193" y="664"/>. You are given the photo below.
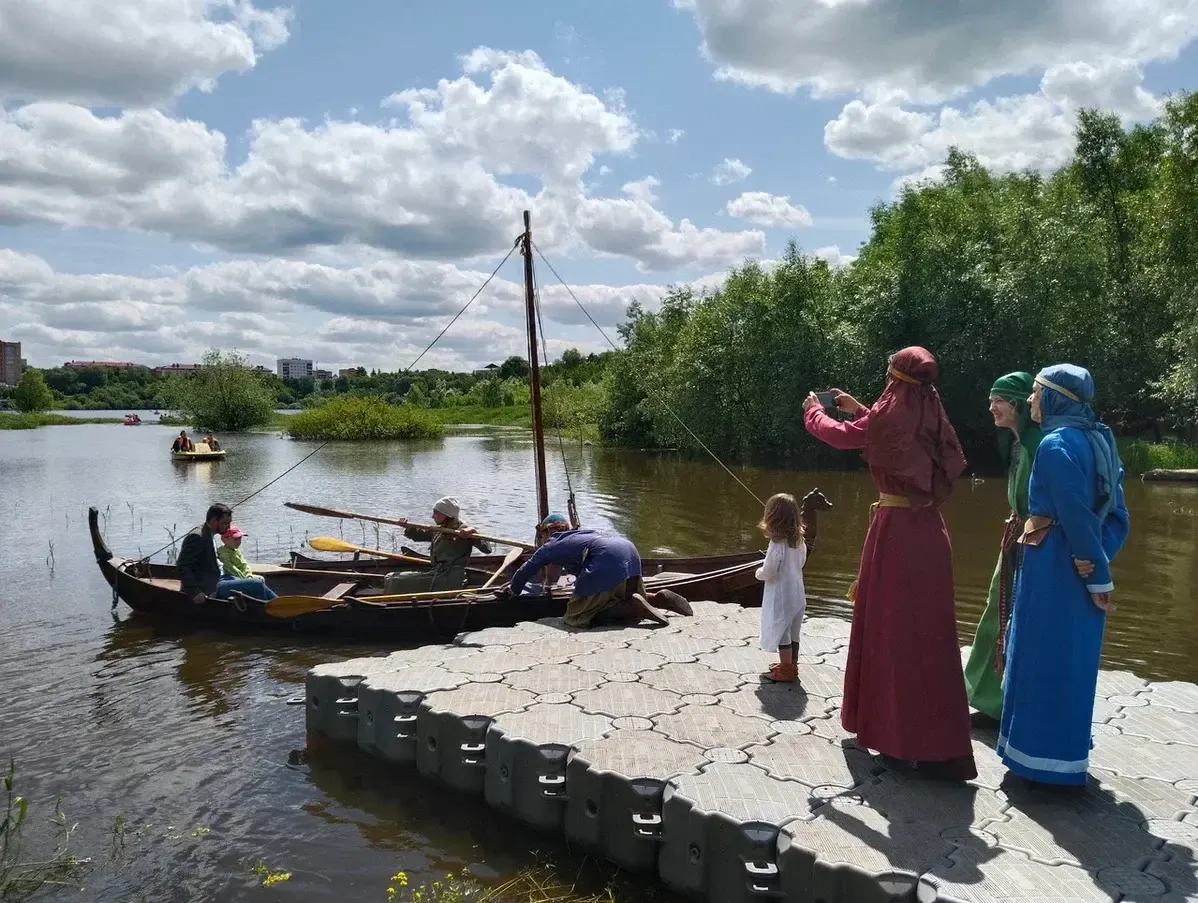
<point x="507" y="562"/>
<point x="331" y="544"/>
<point x="293" y="606"/>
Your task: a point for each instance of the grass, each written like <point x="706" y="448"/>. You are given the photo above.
<point x="15" y="421"/>
<point x="1140" y="456"/>
<point x="533" y="884"/>
<point x="362" y="417"/>
<point x="23" y="875"/>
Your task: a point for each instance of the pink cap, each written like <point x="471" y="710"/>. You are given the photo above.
<point x="235" y="532"/>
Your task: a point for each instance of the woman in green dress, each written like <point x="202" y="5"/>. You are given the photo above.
<point x="1019" y="437"/>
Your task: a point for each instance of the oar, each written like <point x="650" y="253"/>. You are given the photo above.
<point x="292" y="606"/>
<point x="333" y="544"/>
<point x="428" y="528"/>
<point x="508" y="559"/>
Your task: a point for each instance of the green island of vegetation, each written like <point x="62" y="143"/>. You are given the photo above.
<point x="1096" y="264"/>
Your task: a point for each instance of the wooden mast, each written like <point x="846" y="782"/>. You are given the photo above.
<point x="534" y="373"/>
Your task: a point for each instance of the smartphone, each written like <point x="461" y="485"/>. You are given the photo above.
<point x="827" y="401"/>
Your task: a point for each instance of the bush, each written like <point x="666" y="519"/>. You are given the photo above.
<point x="224" y="394"/>
<point x="363" y="417"/>
<point x="32" y="395"/>
<point x="1139" y="456"/>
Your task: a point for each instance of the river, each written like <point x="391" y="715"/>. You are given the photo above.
<point x="189" y="737"/>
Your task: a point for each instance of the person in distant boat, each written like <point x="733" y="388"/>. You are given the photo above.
<point x="449" y="554"/>
<point x="199" y="570"/>
<point x="609" y="588"/>
<point x="212" y="443"/>
<point x="182" y="443"/>
<point x="234" y="565"/>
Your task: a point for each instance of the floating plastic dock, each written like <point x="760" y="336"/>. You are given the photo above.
<point x="661" y="750"/>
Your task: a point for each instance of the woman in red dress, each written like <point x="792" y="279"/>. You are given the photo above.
<point x="904" y="692"/>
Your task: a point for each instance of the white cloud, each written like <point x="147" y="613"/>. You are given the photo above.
<point x="835" y="257"/>
<point x="429" y="186"/>
<point x="675" y="136"/>
<point x="831" y="180"/>
<point x="1028" y="131"/>
<point x="642" y="189"/>
<point x="376" y="315"/>
<point x="929" y="51"/>
<point x="729" y="171"/>
<point x="766" y="209"/>
<point x="630" y="227"/>
<point x="129" y="52"/>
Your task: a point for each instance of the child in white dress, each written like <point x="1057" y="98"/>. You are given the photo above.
<point x="783" y="599"/>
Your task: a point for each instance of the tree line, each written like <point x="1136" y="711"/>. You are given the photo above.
<point x="1094" y="264"/>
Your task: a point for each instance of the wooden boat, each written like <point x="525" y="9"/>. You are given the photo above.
<point x="202" y="452"/>
<point x="349" y="585"/>
<point x="154" y="590"/>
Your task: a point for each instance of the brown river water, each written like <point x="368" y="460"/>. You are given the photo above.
<point x="190" y="738"/>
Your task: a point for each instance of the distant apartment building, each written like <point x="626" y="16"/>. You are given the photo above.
<point x="294" y="367"/>
<point x="171" y="369"/>
<point x="322" y="374"/>
<point x="99" y="365"/>
<point x="11" y="364"/>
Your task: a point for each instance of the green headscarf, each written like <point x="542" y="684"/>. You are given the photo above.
<point x="1015" y="388"/>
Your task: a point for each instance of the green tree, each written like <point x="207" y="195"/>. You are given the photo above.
<point x="224" y="394"/>
<point x="514" y="368"/>
<point x="32" y="395"/>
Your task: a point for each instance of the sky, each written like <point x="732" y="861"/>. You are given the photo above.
<point x="334" y="181"/>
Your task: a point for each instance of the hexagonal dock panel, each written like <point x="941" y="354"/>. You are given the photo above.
<point x="663" y="751"/>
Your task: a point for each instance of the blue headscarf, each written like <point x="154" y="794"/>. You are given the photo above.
<point x="1065" y="394"/>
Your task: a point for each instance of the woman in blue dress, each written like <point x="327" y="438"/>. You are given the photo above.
<point x="1077" y="523"/>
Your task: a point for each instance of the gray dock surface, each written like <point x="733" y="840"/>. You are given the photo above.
<point x="662" y="751"/>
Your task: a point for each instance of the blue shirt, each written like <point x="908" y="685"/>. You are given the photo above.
<point x="599" y="562"/>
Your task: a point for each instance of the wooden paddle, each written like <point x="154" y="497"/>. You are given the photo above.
<point x="333" y="544"/>
<point x="507" y="561"/>
<point x="429" y="528"/>
<point x="292" y="606"/>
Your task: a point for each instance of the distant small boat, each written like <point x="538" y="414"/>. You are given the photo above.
<point x="202" y="452"/>
<point x="132" y="420"/>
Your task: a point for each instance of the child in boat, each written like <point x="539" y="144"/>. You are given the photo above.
<point x="235" y="567"/>
<point x="784" y="598"/>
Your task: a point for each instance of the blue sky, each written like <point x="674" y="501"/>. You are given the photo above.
<point x="155" y="199"/>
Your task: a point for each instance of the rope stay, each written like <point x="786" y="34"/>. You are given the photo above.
<point x="571" y="504"/>
<point x="656" y="396"/>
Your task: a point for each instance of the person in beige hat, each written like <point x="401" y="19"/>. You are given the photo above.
<point x="449" y="554"/>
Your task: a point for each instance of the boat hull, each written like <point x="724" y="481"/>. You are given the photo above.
<point x="153" y="590"/>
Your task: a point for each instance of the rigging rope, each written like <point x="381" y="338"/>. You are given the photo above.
<point x="656" y="396"/>
<point x="545" y="356"/>
<point x="407" y="369"/>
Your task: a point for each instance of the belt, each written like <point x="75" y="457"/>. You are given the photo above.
<point x="1035" y="528"/>
<point x="885" y="500"/>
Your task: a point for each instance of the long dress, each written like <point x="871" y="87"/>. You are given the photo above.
<point x="783" y="600"/>
<point x="982" y="683"/>
<point x="1055" y="635"/>
<point x="904" y="693"/>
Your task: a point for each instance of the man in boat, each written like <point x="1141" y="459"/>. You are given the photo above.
<point x="182" y="443"/>
<point x="199" y="568"/>
<point x="211" y="440"/>
<point x="449" y="554"/>
<point x="608" y="588"/>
